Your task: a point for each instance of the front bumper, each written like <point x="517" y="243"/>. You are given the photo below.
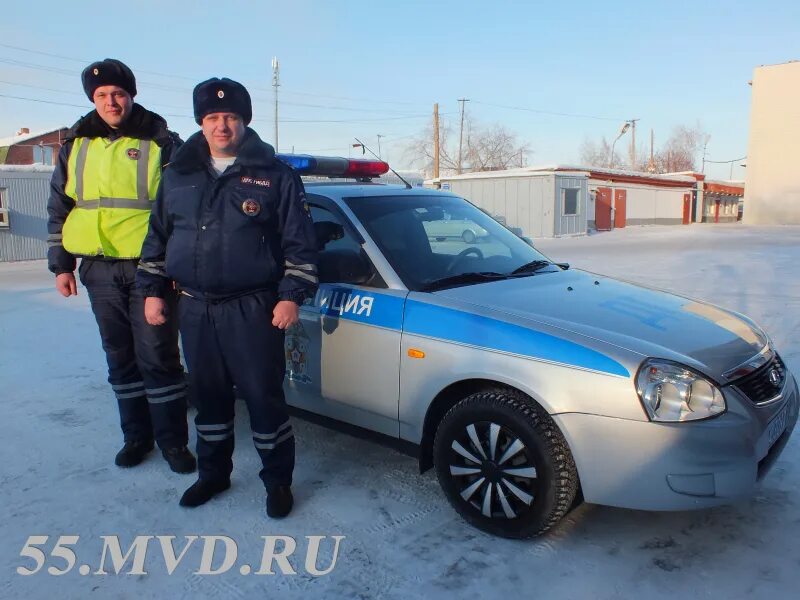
<point x="679" y="466"/>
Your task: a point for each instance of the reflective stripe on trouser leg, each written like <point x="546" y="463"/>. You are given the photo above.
<point x="133" y="412"/>
<point x="159" y="362"/>
<point x="110" y="299"/>
<point x="253" y="353"/>
<point x="210" y="390"/>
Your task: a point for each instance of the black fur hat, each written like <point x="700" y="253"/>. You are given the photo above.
<point x="221" y="95"/>
<point x="108" y="72"/>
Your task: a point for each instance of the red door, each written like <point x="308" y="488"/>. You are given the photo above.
<point x="687" y="208"/>
<point x="716" y="212"/>
<point x="602" y="209"/>
<point x="620" y="199"/>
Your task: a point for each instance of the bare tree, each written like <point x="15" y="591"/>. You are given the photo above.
<point x="420" y="151"/>
<point x="495" y="148"/>
<point x="679" y="152"/>
<point x="485" y="149"/>
<point x="596" y="154"/>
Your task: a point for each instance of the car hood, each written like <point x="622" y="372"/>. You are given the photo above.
<point x="642" y="320"/>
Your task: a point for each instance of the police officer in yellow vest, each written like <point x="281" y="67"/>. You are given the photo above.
<point x="101" y="194"/>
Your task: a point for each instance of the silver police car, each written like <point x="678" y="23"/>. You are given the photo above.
<point x="526" y="384"/>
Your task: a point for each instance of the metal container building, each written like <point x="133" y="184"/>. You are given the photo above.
<point x="24" y="190"/>
<point x="540" y="202"/>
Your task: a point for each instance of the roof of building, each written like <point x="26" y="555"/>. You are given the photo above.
<point x="37" y="168"/>
<point x="620" y="175"/>
<point x="18" y="139"/>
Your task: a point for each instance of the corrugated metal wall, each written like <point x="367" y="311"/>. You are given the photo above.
<point x="571" y="224"/>
<point x="26" y="195"/>
<point x="525" y="202"/>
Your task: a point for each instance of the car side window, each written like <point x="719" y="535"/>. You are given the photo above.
<point x="341" y="257"/>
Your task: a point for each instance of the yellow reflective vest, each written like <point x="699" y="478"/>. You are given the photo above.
<point x="113" y="184"/>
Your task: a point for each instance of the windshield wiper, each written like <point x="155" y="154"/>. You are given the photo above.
<point x="531" y="267"/>
<point x="461" y="279"/>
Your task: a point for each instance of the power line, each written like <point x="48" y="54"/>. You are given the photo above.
<point x="38" y="67"/>
<point x="138" y="70"/>
<point x="169" y="88"/>
<point x="725" y="162"/>
<point x="43" y="101"/>
<point x="39" y="87"/>
<point x="548" y="112"/>
<point x="303" y="104"/>
<point x="86" y="61"/>
<point x="256" y="119"/>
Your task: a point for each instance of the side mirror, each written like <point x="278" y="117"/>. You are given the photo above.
<point x="327" y="231"/>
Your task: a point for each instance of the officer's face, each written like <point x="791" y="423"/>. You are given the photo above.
<point x="113" y="104"/>
<point x="224" y="132"/>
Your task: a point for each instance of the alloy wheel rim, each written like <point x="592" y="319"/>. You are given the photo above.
<point x="493" y="470"/>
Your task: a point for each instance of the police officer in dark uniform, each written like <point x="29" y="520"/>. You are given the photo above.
<point x="232" y="229"/>
<point x="102" y="190"/>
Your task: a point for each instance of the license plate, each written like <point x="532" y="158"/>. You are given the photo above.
<point x="777" y="426"/>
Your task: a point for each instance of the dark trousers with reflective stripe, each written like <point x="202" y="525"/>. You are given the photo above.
<point x="233" y="343"/>
<point x="144" y="366"/>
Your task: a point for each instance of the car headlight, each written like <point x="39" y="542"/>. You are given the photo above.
<point x="671" y="392"/>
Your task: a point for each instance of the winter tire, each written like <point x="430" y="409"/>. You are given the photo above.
<point x="504" y="465"/>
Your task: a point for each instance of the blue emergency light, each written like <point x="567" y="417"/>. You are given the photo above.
<point x="331" y="166"/>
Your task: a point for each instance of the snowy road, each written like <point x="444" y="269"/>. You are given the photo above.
<point x="58" y="436"/>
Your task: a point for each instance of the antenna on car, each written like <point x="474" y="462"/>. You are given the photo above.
<point x="363" y="147"/>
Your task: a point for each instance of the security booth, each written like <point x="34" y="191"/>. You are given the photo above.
<point x="540" y="201"/>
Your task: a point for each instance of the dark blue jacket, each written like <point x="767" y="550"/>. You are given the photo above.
<point x="221" y="236"/>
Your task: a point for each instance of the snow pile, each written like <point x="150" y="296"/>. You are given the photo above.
<point x="59" y="434"/>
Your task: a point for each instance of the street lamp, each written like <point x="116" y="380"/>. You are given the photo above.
<point x="379" y="143"/>
<point x="622" y="131"/>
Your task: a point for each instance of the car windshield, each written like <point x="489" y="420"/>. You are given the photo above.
<point x="439" y="241"/>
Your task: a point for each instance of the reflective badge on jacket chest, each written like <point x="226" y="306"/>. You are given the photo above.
<point x="251" y="207"/>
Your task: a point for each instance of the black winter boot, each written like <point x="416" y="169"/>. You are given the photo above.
<point x="180" y="459"/>
<point x="279" y="501"/>
<point x="133" y="452"/>
<point x="202" y="491"/>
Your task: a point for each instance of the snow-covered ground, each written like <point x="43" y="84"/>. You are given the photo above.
<point x="59" y="434"/>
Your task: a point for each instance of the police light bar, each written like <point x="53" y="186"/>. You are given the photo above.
<point x="331" y="166"/>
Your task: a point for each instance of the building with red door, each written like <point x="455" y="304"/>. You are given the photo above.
<point x="560" y="200"/>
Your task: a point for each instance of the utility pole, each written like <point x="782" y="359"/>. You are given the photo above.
<point x="379" y="145"/>
<point x="436" y="140"/>
<point x="633" y="143"/>
<point x="651" y="166"/>
<point x="461" y="132"/>
<point x="275" y="84"/>
<point x="703" y="168"/>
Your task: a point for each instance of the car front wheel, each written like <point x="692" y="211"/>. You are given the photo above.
<point x="504" y="465"/>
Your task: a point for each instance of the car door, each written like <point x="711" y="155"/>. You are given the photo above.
<point x="343" y="357"/>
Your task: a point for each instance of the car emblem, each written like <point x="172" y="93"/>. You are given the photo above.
<point x="774" y="377"/>
<point x="220" y="94"/>
<point x="251" y="208"/>
<point x="133" y="154"/>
